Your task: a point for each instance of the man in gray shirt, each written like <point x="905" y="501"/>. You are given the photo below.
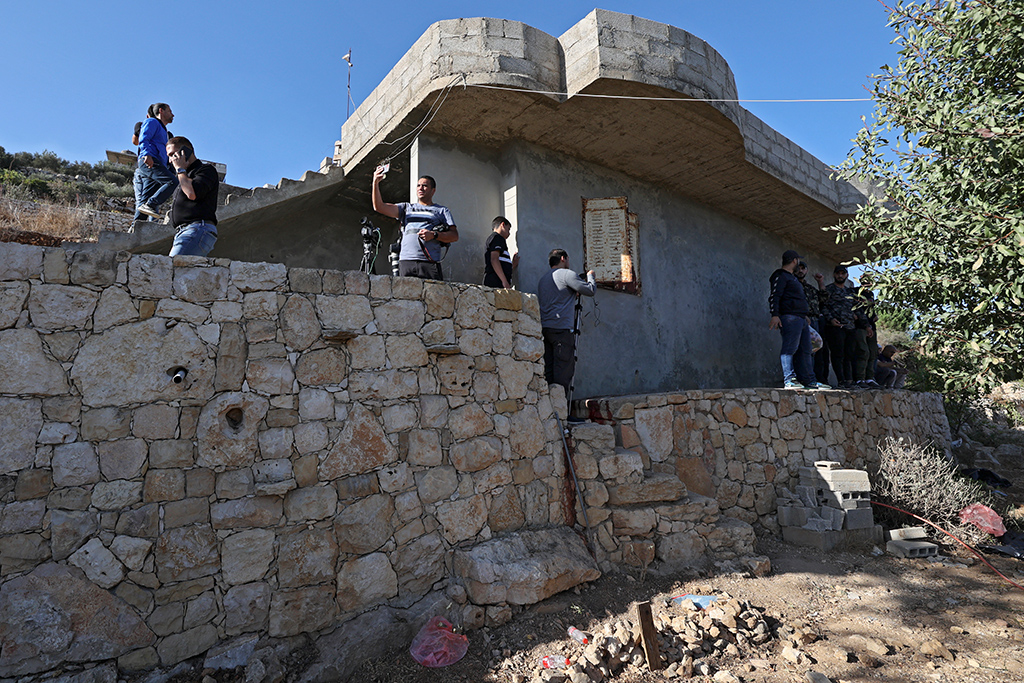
<point x="557" y="293"/>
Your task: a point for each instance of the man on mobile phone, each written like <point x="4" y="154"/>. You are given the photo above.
<point x="426" y="228"/>
<point x="194" y="209"/>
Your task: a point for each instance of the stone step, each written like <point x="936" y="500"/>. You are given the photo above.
<point x="656" y="487"/>
<point x="524" y="567"/>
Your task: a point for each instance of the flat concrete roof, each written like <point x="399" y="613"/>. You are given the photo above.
<point x="714" y="152"/>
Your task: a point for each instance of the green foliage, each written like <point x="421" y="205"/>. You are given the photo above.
<point x="8" y="177"/>
<point x="947" y="145"/>
<point x="950" y="374"/>
<point x="893" y="318"/>
<point x="63" y="181"/>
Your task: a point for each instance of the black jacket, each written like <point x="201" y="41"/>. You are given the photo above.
<point x="787" y="294"/>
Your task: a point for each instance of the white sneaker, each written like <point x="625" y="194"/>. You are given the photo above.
<point x="150" y="211"/>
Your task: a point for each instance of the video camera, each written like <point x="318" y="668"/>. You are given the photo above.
<point x="371" y="243"/>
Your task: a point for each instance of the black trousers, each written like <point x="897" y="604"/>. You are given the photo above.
<point x="559" y="356"/>
<point x="842" y="346"/>
<point x="422" y="269"/>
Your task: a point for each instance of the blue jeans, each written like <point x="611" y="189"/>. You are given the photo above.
<point x="157" y="183"/>
<point x="194" y="239"/>
<point x="139" y="189"/>
<point x="796" y="350"/>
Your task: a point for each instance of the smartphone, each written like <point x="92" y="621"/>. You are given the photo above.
<point x="385" y="167"/>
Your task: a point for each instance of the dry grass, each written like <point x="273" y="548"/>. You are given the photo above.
<point x="55" y="220"/>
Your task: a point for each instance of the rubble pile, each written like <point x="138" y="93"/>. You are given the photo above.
<point x="690" y="639"/>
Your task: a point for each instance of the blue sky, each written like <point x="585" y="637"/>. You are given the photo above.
<point x="261" y="85"/>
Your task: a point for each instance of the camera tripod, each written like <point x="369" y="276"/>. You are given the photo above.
<point x="371" y="245"/>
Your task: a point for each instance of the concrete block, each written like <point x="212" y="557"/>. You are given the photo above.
<point x="822" y="540"/>
<point x="792" y="515"/>
<point x="808" y="495"/>
<point x="835" y="479"/>
<point x="912" y="548"/>
<point x="826" y="540"/>
<point x="909" y="533"/>
<point x="834" y="516"/>
<point x="860" y="518"/>
<point x="819" y="524"/>
<point x="844" y="500"/>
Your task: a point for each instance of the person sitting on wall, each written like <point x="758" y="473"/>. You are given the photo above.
<point x="788" y="307"/>
<point x="557" y="293"/>
<point x="498" y="265"/>
<point x="194" y="208"/>
<point x="888" y="372"/>
<point x="426" y="227"/>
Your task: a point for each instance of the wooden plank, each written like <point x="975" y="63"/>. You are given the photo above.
<point x="649" y="636"/>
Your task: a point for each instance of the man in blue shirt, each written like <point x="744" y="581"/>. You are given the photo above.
<point x="158" y="182"/>
<point x="426" y="228"/>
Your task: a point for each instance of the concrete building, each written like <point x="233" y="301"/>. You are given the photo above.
<point x="504" y="117"/>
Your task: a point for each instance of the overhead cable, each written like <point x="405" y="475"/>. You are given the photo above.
<point x="669" y="99"/>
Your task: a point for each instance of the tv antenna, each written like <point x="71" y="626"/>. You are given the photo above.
<point x="348" y="60"/>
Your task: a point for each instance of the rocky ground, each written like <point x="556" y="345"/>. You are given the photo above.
<point x="855" y="615"/>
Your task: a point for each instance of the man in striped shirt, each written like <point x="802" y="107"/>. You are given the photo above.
<point x="427" y="228"/>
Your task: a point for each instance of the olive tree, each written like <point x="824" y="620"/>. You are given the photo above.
<point x="945" y="148"/>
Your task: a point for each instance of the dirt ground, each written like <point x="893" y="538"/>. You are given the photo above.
<point x="871" y="615"/>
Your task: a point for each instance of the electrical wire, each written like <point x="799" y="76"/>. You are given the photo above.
<point x="932" y="524"/>
<point x="669" y="99"/>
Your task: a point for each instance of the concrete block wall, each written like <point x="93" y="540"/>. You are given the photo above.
<point x="484" y="50"/>
<point x="602" y="45"/>
<point x="745" y="447"/>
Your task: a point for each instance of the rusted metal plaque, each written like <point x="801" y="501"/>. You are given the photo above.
<point x="611" y="243"/>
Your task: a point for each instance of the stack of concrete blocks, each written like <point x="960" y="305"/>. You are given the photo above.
<point x="831" y="506"/>
<point x="910" y="541"/>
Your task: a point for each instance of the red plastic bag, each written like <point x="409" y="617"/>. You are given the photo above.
<point x="437" y="645"/>
<point x="983" y="517"/>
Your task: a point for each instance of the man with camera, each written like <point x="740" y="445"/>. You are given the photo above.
<point x="557" y="293"/>
<point x="427" y="228"/>
<point x="194" y="207"/>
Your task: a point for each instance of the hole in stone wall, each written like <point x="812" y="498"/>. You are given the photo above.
<point x="235" y="417"/>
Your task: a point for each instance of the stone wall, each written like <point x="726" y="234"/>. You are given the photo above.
<point x="335" y="437"/>
<point x="343" y="454"/>
<point x="745" y="447"/>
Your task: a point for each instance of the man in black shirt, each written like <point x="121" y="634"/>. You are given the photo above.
<point x="194" y="208"/>
<point x="788" y="306"/>
<point x="498" y="265"/>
